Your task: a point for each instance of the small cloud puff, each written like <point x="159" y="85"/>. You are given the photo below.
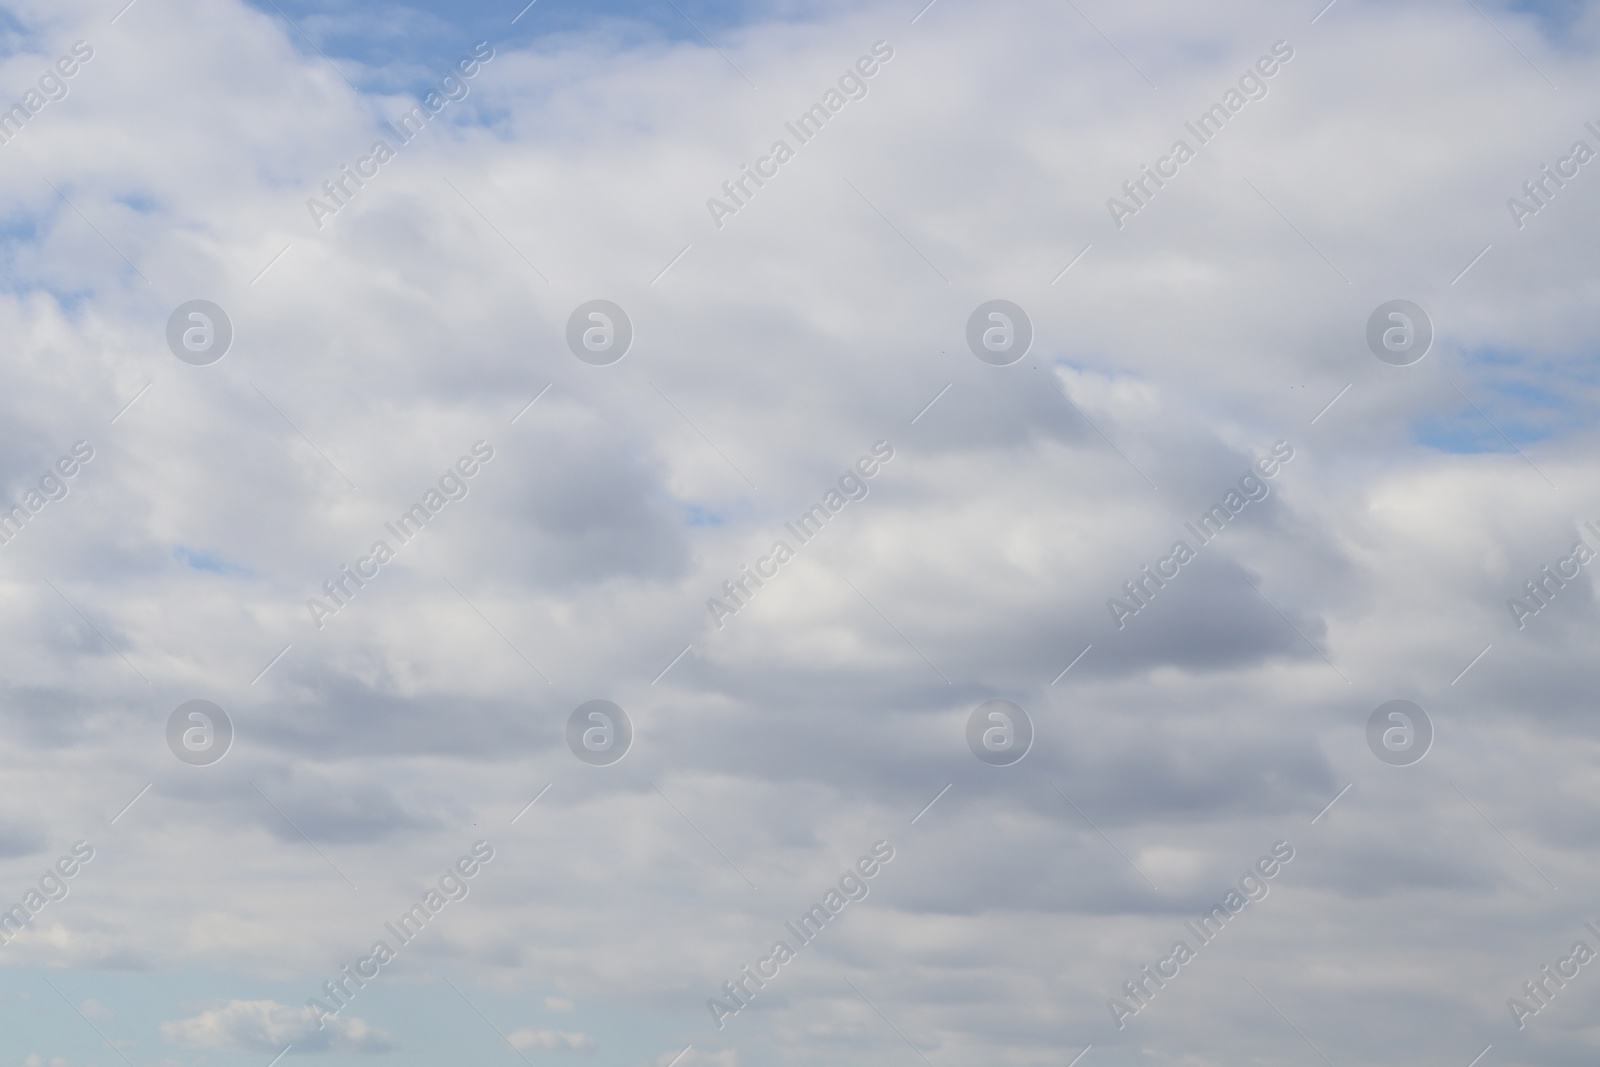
<point x="525" y="1039"/>
<point x="93" y="1009"/>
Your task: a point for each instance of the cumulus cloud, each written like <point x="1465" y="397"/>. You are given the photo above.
<point x="93" y="1009"/>
<point x="526" y="1039"/>
<point x="267" y="1026"/>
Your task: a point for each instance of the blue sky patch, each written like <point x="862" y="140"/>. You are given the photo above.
<point x="205" y="561"/>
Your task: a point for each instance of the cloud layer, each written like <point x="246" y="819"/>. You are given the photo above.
<point x="426" y="321"/>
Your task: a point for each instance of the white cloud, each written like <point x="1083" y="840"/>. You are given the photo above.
<point x="822" y="717"/>
<point x="267" y="1026"/>
<point x="527" y="1038"/>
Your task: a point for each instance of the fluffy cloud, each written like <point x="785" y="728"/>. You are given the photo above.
<point x="93" y="1009"/>
<point x="267" y="1026"/>
<point x="1227" y="315"/>
<point x="525" y="1039"/>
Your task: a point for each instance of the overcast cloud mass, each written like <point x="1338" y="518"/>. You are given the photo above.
<point x="689" y="534"/>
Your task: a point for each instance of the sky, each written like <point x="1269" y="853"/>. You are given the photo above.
<point x="1084" y="558"/>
